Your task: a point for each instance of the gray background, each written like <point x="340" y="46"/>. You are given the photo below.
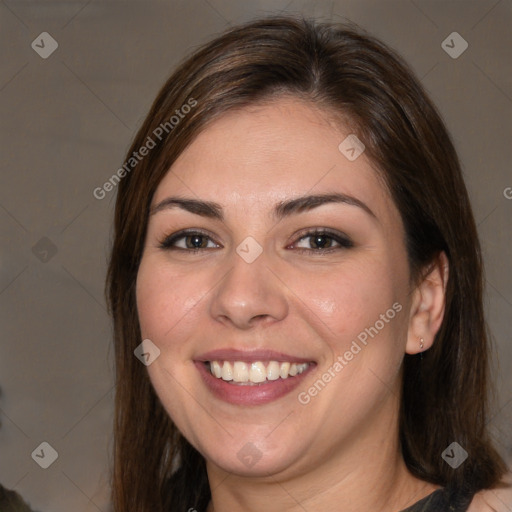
<point x="66" y="123"/>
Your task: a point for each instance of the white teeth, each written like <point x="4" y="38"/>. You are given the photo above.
<point x="240" y="372"/>
<point x="216" y="369"/>
<point x="227" y="371"/>
<point x="302" y="367"/>
<point x="273" y="370"/>
<point x="256" y="371"/>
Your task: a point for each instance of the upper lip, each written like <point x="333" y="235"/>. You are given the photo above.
<point x="230" y="354"/>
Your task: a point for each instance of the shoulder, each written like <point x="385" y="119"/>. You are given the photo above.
<point x="494" y="500"/>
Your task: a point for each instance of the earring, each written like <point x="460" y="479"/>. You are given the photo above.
<point x="421" y="343"/>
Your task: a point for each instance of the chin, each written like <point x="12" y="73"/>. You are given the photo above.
<point x="250" y="461"/>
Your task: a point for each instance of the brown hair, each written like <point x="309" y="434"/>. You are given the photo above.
<point x="341" y="69"/>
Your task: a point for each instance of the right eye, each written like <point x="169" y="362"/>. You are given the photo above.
<point x="188" y="240"/>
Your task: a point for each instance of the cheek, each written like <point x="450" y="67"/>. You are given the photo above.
<point x="362" y="318"/>
<point x="165" y="299"/>
<point x="351" y="297"/>
<point x="166" y="304"/>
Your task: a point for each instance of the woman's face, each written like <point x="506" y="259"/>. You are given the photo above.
<point x="281" y="321"/>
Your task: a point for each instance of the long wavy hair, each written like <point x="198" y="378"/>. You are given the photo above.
<point x="343" y="70"/>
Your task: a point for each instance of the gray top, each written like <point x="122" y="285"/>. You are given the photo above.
<point x="443" y="500"/>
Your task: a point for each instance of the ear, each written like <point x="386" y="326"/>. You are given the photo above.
<point x="428" y="304"/>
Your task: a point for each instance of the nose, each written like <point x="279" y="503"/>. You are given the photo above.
<point x="250" y="294"/>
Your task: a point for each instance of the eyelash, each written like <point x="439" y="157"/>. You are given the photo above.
<point x="343" y="241"/>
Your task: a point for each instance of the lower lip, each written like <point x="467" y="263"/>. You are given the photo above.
<point x="256" y="394"/>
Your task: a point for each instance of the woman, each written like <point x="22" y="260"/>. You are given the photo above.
<point x="297" y="267"/>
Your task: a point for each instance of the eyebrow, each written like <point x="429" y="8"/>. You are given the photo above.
<point x="282" y="209"/>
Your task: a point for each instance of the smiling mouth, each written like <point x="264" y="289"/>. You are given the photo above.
<point x="255" y="372"/>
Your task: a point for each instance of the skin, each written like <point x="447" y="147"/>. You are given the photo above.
<point x="340" y="451"/>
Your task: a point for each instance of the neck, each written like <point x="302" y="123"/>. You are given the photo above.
<point x="395" y="490"/>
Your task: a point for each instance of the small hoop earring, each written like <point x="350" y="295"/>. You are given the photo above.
<point x="421" y="343"/>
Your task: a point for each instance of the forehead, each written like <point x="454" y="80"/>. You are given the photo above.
<point x="260" y="155"/>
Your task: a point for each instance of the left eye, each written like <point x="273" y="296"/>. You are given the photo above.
<point x="322" y="240"/>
